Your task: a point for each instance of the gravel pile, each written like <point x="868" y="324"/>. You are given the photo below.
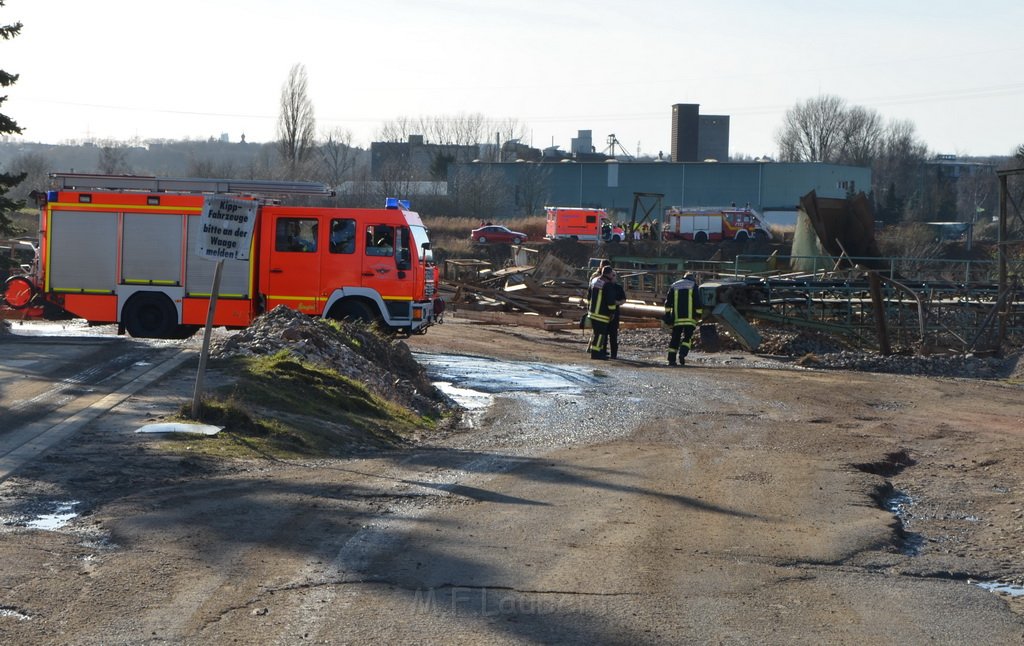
<point x="385" y="366"/>
<point x="965" y="366"/>
<point x="817" y="350"/>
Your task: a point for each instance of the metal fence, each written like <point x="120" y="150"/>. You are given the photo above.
<point x="926" y="302"/>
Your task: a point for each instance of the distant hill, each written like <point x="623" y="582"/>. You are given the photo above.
<point x="237" y="160"/>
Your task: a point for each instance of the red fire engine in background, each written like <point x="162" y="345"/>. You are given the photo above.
<point x="713" y="223"/>
<point x="123" y="249"/>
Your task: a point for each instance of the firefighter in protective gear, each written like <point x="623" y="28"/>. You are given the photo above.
<point x="613" y="325"/>
<point x="682" y="312"/>
<point x="601" y="308"/>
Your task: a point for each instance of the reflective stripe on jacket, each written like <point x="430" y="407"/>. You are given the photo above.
<point x="681" y="304"/>
<point x="602" y="301"/>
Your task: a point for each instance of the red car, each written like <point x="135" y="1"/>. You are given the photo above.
<point x="497" y="233"/>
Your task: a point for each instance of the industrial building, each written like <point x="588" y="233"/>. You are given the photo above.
<point x="697" y="137"/>
<point x="699" y="173"/>
<point x="774" y="189"/>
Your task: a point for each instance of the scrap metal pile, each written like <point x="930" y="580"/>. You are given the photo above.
<point x="549" y="295"/>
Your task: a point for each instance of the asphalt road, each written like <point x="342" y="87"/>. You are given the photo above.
<point x="50" y="384"/>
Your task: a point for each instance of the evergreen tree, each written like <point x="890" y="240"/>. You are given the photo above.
<point x="8" y="126"/>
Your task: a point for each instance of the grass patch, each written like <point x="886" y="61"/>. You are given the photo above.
<point x="281" y="382"/>
<point x="280" y="407"/>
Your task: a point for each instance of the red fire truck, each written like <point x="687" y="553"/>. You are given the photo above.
<point x="704" y="223"/>
<point x="123" y="249"/>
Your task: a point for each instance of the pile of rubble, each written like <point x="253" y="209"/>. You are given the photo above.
<point x="816" y="350"/>
<point x="353" y="350"/>
<point x="950" y="365"/>
<point x="790" y="343"/>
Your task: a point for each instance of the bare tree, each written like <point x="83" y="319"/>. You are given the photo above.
<point x="337" y="157"/>
<point x="113" y="158"/>
<point x="397" y="130"/>
<point x="863" y="135"/>
<point x="262" y="164"/>
<point x="897" y="173"/>
<point x="1015" y="190"/>
<point x="826" y="129"/>
<point x="479" y="191"/>
<point x="976" y="191"/>
<point x="36" y="168"/>
<point x="206" y="167"/>
<point x="452" y="130"/>
<point x="296" y="125"/>
<point x="531" y="192"/>
<point x="444" y="130"/>
<point x="459" y="130"/>
<point x="395" y="179"/>
<point x="814" y="131"/>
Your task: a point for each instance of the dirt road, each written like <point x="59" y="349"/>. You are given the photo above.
<point x="611" y="502"/>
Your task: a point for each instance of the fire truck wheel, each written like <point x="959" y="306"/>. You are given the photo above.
<point x="353" y="310"/>
<point x="18" y="292"/>
<point x="516" y="241"/>
<point x="150" y="316"/>
<point x="742" y="236"/>
<point x="700" y="236"/>
<point x="760" y="235"/>
<point x="482" y="240"/>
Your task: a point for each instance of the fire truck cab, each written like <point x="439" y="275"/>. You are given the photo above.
<point x="123" y="249"/>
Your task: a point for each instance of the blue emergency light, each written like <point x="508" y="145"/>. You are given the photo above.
<point x="395" y="203"/>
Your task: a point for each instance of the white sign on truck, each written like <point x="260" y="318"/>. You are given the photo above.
<point x="226" y="226"/>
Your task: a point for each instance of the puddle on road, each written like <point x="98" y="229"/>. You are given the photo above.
<point x="1009" y="589"/>
<point x="61" y="516"/>
<point x="478" y="377"/>
<point x="11" y="613"/>
<point x="474" y="381"/>
<point x="467" y="398"/>
<point x="74" y="327"/>
<point x="900" y="505"/>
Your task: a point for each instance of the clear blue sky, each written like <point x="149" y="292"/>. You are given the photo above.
<point x="198" y="68"/>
